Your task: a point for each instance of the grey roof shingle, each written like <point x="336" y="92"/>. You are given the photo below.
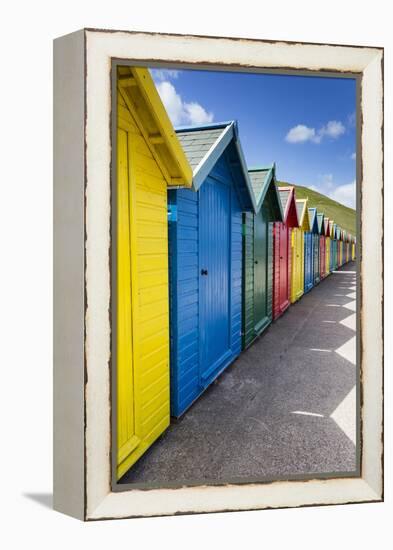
<point x="258" y="178"/>
<point x="299" y="209"/>
<point x="320" y="221"/>
<point x="284" y="196"/>
<point x="196" y="143"/>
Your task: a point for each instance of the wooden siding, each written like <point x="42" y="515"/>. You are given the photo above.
<point x="276" y="269"/>
<point x="237" y="276"/>
<point x="248" y="274"/>
<point x="316" y="258"/>
<point x="187" y="383"/>
<point x="279" y="268"/>
<point x="143" y="324"/>
<point x="248" y="321"/>
<point x="327" y="260"/>
<point x="270" y="274"/>
<point x="184" y="292"/>
<point x="322" y="257"/>
<point x="297" y="264"/>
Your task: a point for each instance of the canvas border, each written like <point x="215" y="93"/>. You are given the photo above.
<point x="100" y="47"/>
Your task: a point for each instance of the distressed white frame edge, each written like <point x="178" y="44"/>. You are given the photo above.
<point x="100" y="502"/>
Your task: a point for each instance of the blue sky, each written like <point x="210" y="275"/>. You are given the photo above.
<point x="304" y="124"/>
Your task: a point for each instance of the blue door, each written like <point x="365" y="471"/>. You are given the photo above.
<point x="214" y="288"/>
<point x="308" y="262"/>
<point x="316" y="258"/>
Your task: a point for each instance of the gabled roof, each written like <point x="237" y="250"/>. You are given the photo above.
<point x="312" y="217"/>
<point x="288" y="203"/>
<point x="326" y="229"/>
<point x="321" y="225"/>
<point x="263" y="182"/>
<point x="338" y="233"/>
<point x="204" y="145"/>
<point x="302" y="214"/>
<point x="331" y="229"/>
<point x="335" y="231"/>
<point x="138" y="91"/>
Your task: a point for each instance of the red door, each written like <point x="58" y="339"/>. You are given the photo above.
<point x="284" y="298"/>
<point x="280" y="262"/>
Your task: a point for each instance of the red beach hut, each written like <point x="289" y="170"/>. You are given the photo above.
<point x="282" y="251"/>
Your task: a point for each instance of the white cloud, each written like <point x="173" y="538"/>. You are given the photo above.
<point x="345" y="194"/>
<point x="333" y="129"/>
<point x="197" y="114"/>
<point x="164" y="74"/>
<point x="352" y="119"/>
<point x="353" y="156"/>
<point x="172" y="101"/>
<point x="301" y="133"/>
<point x="179" y="111"/>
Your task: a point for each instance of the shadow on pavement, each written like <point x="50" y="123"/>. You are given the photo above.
<point x="269" y="415"/>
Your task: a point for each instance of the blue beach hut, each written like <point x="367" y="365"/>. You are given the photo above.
<point x="313" y="218"/>
<point x="205" y="260"/>
<point x="309" y="250"/>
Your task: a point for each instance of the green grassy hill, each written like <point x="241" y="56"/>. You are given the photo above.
<point x="342" y="215"/>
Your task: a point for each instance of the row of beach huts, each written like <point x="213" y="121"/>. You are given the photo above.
<point x="209" y="253"/>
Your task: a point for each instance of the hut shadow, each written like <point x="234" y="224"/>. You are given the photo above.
<point x="285" y="408"/>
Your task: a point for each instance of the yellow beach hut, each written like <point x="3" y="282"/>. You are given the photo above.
<point x="297" y="256"/>
<point x="149" y="161"/>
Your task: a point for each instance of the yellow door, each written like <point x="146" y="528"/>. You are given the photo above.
<point x="297" y="275"/>
<point x="126" y="429"/>
<point x="301" y="260"/>
<point x="142" y="294"/>
<point x="327" y="260"/>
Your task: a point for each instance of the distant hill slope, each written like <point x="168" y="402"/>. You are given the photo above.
<point x="342" y="215"/>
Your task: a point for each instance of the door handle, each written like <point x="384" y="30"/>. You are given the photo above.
<point x="256" y="261"/>
<point x="203" y="271"/>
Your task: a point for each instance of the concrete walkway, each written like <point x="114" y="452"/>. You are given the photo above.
<point x="286" y="407"/>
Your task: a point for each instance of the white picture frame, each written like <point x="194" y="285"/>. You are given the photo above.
<point x="83" y="485"/>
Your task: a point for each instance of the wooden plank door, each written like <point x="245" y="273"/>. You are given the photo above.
<point x="322" y="256"/>
<point x="260" y="269"/>
<point x="308" y="268"/>
<point x="296" y="277"/>
<point x="284" y="255"/>
<point x="127" y="437"/>
<point x="215" y="272"/>
<point x="316" y="258"/>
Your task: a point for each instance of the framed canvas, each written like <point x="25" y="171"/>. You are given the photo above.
<point x="108" y="421"/>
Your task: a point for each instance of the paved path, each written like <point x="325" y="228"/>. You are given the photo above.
<point x="286" y="407"/>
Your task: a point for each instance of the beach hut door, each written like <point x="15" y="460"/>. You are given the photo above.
<point x="308" y="260"/>
<point x="283" y="266"/>
<point x="260" y="269"/>
<point x="214" y="264"/>
<point x="127" y="428"/>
